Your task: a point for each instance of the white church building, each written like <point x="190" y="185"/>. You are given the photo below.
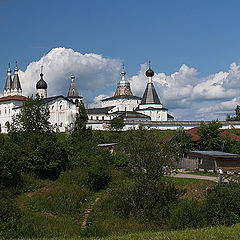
<point x="129" y="107"/>
<point x="62" y="109"/>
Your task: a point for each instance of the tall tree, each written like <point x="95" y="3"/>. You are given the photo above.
<point x="237" y="115"/>
<point x="32" y="118"/>
<point x="210" y="140"/>
<point x="81" y="119"/>
<point x="184" y="140"/>
<point x="81" y="136"/>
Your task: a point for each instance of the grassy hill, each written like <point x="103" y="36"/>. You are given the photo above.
<point x="219" y="233"/>
<point x="59" y="208"/>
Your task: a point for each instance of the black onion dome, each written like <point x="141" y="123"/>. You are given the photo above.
<point x="149" y="72"/>
<point x="41" y="84"/>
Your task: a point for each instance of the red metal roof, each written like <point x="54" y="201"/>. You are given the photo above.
<point x="15" y="98"/>
<point x="195" y="137"/>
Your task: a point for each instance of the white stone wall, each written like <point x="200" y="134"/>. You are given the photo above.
<point x="62" y="114"/>
<point x="99" y="117"/>
<point x="156" y="115"/>
<point x="173" y="125"/>
<point x="122" y="104"/>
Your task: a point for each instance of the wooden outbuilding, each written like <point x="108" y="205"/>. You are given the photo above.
<point x="211" y="160"/>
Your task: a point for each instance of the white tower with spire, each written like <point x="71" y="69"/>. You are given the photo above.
<point x="8" y="84"/>
<point x="150" y="104"/>
<point x="41" y="86"/>
<point x="16" y="88"/>
<point x="73" y="92"/>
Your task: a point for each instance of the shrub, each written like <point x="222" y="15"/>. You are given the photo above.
<point x="98" y="173"/>
<point x="120" y="159"/>
<point x="9" y="216"/>
<point x="223" y="205"/>
<point x="151" y="200"/>
<point x="187" y="214"/>
<point x="97" y="177"/>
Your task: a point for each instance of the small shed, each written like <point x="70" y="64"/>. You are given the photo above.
<point x="212" y="160"/>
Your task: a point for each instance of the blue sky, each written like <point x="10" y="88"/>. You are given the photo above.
<point x="203" y="35"/>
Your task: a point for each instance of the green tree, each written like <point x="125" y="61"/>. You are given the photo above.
<point x="81" y="119"/>
<point x="210" y="140"/>
<point x="184" y="140"/>
<point x="237" y="115"/>
<point x="43" y="155"/>
<point x="33" y="117"/>
<point x="147" y="155"/>
<point x="81" y="140"/>
<point x="9" y="162"/>
<point x="117" y="124"/>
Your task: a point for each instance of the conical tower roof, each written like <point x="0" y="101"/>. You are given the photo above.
<point x="73" y="92"/>
<point x="16" y="82"/>
<point x="8" y="83"/>
<point x="150" y="95"/>
<point x="123" y="88"/>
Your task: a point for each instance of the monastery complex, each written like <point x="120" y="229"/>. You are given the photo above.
<point x="147" y="111"/>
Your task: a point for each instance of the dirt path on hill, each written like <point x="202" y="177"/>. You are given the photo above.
<point x="181" y="175"/>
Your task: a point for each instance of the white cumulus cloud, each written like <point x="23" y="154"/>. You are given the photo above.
<point x="187" y="95"/>
<point x="92" y="71"/>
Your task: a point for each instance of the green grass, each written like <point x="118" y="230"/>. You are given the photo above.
<point x="218" y="233"/>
